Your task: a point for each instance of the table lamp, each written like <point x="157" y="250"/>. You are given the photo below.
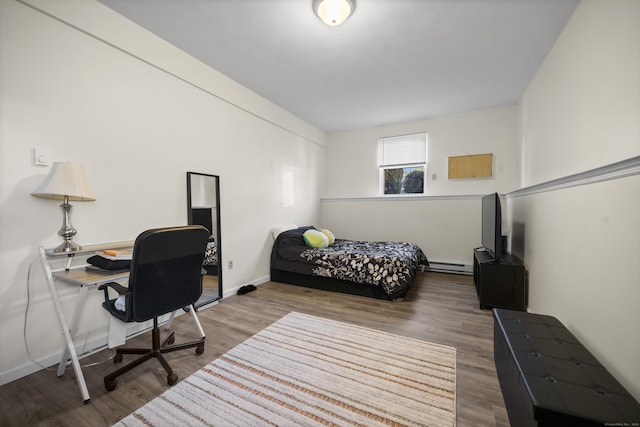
<point x="66" y="181"/>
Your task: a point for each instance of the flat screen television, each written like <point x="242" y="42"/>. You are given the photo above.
<point x="492" y="225"/>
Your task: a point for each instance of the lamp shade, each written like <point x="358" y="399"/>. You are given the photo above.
<point x="333" y="12"/>
<point x="65" y="179"/>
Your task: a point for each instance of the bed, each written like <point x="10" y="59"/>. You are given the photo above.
<point x="383" y="270"/>
<point x="211" y="258"/>
<point x="204" y="217"/>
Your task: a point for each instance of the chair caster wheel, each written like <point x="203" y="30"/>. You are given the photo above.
<point x="110" y="385"/>
<point x="200" y="349"/>
<point x="172" y="379"/>
<point x="117" y="358"/>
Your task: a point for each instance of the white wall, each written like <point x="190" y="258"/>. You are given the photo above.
<point x="582" y="244"/>
<point x="95" y="89"/>
<point x="582" y="109"/>
<point x="353" y="156"/>
<point x="446" y="228"/>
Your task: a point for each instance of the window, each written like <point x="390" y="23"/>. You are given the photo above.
<point x="403" y="163"/>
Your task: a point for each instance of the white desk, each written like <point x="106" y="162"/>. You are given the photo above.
<point x="76" y="275"/>
<point x="83" y="279"/>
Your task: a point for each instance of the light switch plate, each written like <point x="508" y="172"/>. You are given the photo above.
<point x="40" y="156"/>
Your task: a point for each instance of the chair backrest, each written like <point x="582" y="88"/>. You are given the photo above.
<point x="166" y="270"/>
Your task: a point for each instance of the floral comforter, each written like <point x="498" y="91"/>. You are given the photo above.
<point x="211" y="254"/>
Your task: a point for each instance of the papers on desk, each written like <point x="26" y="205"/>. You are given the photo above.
<point x="120" y="254"/>
<point x="117" y="332"/>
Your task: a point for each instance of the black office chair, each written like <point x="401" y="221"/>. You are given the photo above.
<point x="165" y="276"/>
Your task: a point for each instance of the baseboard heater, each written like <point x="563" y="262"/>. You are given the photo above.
<point x="448" y="267"/>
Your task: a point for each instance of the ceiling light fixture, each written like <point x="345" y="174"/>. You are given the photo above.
<point x="333" y="12"/>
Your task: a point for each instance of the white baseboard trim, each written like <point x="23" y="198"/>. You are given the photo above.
<point x="255" y="282"/>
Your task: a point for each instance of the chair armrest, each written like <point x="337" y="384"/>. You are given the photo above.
<point x="111" y="305"/>
<point x="121" y="290"/>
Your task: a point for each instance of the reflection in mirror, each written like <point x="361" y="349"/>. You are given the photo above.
<point x="203" y="208"/>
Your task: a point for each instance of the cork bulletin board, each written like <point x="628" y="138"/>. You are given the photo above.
<point x="471" y="166"/>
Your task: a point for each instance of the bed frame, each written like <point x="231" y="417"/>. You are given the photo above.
<point x="331" y="284"/>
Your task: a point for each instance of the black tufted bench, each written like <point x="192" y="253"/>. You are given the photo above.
<point x="549" y="379"/>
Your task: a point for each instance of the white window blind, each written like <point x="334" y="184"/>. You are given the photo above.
<point x="402" y="150"/>
<point x="403" y="164"/>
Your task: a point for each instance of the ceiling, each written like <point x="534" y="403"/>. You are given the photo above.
<point x="392" y="61"/>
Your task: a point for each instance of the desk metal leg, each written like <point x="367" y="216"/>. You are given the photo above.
<point x="73" y="328"/>
<point x="195" y="319"/>
<point x="194" y="315"/>
<point x="70" y="347"/>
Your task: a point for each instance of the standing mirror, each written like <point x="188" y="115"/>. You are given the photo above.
<point x="203" y="208"/>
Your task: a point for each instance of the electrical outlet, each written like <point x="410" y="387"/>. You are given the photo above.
<point x="230" y="264"/>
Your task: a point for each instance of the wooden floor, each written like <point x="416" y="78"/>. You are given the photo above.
<point x="440" y="308"/>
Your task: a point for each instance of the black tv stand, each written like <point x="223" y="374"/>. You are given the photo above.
<point x="500" y="282"/>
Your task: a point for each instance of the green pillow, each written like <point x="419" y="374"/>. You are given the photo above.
<point x="329" y="235"/>
<point x="315" y="239"/>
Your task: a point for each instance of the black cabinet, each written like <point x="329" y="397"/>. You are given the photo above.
<point x="501" y="283"/>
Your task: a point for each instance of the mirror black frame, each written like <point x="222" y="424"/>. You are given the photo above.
<point x="218" y="234"/>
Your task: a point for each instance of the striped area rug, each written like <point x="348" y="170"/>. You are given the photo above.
<point x="306" y="370"/>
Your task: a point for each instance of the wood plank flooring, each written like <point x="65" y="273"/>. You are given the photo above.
<point x="440" y="308"/>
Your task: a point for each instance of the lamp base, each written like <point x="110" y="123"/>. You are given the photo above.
<point x="68" y="246"/>
<point x="67" y="231"/>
